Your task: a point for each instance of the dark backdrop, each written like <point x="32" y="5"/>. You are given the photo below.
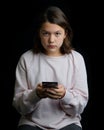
<point x="17" y="37"/>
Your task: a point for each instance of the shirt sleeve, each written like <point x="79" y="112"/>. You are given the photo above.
<point x="24" y="99"/>
<point x="76" y="98"/>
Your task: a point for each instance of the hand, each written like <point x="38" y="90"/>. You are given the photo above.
<point x="55" y="93"/>
<point x="41" y="91"/>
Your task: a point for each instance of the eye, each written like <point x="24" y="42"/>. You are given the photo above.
<point x="57" y="34"/>
<point x="45" y="34"/>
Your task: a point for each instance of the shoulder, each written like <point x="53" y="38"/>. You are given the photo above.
<point x="28" y="59"/>
<point x="26" y="55"/>
<point x="76" y="57"/>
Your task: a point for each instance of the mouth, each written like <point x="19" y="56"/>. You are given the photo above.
<point x="51" y="46"/>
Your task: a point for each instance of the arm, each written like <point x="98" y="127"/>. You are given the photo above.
<point x="25" y="98"/>
<point x="76" y="98"/>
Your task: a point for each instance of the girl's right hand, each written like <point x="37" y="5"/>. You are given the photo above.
<point x="41" y="91"/>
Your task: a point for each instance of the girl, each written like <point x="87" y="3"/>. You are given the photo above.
<point x="51" y="106"/>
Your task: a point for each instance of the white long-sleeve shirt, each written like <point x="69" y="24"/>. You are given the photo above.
<point x="68" y="70"/>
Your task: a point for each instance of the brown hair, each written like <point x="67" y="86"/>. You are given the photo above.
<point x="54" y="15"/>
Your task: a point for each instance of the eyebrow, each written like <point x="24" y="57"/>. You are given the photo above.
<point x="49" y="31"/>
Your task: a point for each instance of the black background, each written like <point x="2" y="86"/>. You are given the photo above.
<point x="17" y="36"/>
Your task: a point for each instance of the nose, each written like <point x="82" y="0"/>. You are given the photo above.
<point x="51" y="38"/>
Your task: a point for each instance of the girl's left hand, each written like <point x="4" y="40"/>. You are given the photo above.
<point x="56" y="93"/>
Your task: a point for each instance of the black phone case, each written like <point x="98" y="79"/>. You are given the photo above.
<point x="50" y="84"/>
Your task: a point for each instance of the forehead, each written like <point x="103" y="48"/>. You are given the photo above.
<point x="51" y="27"/>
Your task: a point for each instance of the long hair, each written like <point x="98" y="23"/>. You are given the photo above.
<point x="54" y="15"/>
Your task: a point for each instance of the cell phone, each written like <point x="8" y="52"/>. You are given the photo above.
<point x="50" y="84"/>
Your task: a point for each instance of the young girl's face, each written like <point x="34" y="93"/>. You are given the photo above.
<point x="52" y="37"/>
